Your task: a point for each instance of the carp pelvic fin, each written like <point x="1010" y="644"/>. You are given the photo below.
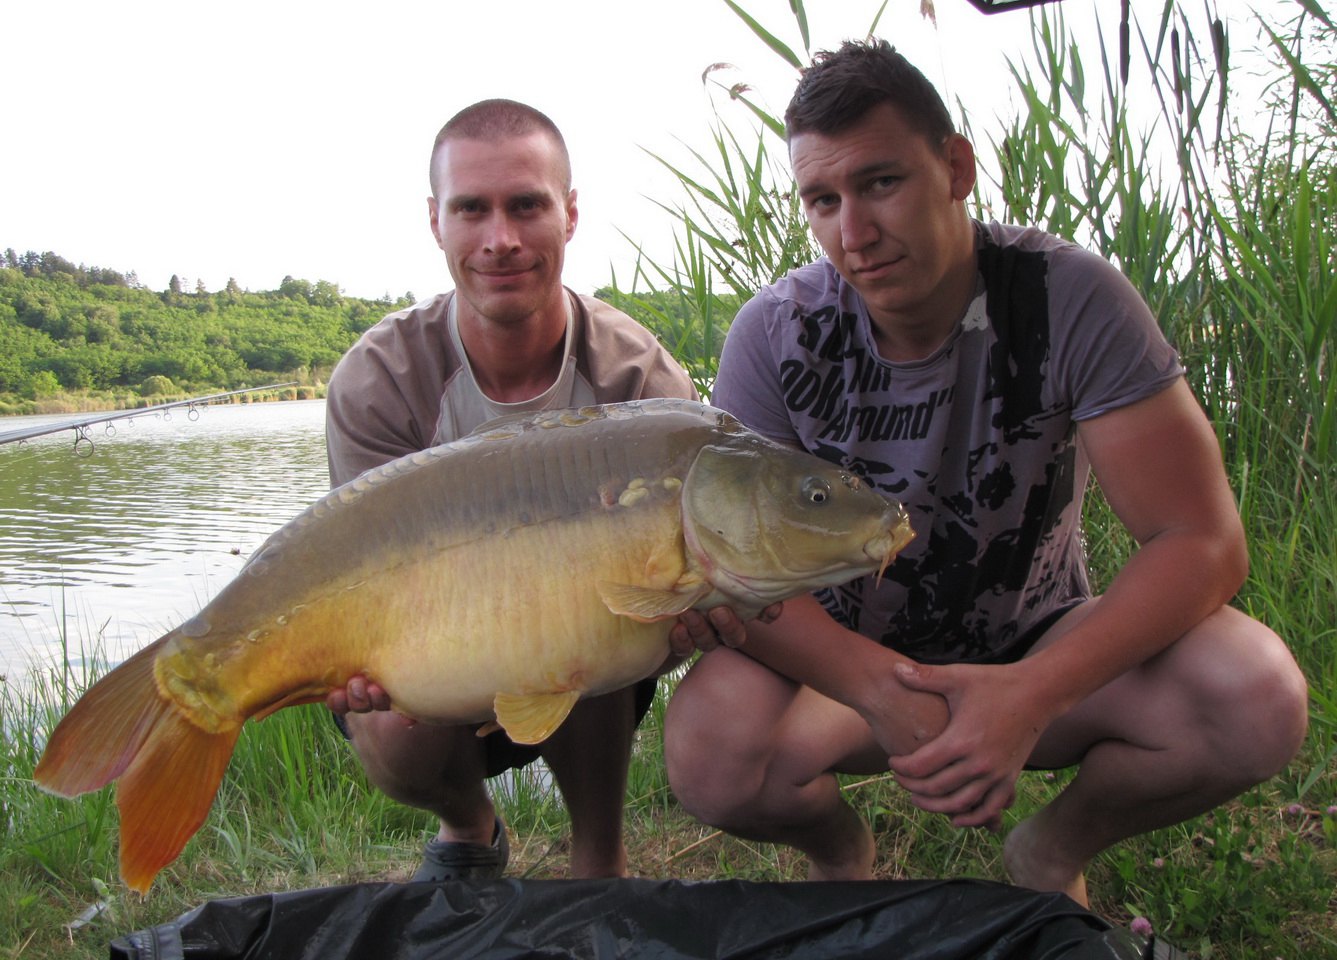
<point x="532" y="718"/>
<point x="312" y="693"/>
<point x="646" y="604"/>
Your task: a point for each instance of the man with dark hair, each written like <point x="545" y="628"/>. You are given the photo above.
<point x="509" y="339"/>
<point x="979" y="373"/>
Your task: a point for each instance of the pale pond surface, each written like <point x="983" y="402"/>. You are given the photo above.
<point x="113" y="549"/>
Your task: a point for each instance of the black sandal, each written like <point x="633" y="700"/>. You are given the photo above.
<point x="451" y="860"/>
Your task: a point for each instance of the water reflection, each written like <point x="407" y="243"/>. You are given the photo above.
<point x="126" y="543"/>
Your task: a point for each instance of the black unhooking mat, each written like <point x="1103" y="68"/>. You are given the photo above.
<point x="604" y="919"/>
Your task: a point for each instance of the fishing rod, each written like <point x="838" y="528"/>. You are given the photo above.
<point x="83" y="443"/>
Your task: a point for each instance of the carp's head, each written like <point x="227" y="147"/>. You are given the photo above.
<point x="765" y="522"/>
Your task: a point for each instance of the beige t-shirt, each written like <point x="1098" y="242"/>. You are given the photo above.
<point x="406" y="384"/>
<point x="465" y="407"/>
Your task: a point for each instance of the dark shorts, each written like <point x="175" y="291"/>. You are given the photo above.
<point x="1020" y="646"/>
<point x="503" y="754"/>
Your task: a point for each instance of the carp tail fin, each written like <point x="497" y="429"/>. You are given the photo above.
<point x="168" y="768"/>
<point x="102" y="733"/>
<point x="165" y="794"/>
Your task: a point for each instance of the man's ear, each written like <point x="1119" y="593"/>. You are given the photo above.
<point x="572" y="215"/>
<point x="434" y="219"/>
<point x="961" y="161"/>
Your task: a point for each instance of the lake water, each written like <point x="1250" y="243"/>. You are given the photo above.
<point x="124" y="544"/>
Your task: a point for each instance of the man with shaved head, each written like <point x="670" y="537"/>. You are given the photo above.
<point x="510" y="338"/>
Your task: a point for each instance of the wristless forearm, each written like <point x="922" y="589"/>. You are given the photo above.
<point x="807" y="646"/>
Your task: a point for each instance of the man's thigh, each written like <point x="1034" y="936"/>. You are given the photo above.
<point x="1197" y="688"/>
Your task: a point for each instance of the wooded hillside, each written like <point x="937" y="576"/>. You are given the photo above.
<point x="82" y="337"/>
<point x="67" y="328"/>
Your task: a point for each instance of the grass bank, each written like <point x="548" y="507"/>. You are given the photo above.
<point x="1252" y="879"/>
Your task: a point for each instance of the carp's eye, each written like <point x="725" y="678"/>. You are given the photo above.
<point x="816" y="490"/>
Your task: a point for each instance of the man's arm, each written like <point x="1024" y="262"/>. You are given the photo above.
<point x="1159" y="466"/>
<point x="806" y="645"/>
<point x="367" y="422"/>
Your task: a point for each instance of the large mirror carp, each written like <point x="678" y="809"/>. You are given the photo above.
<point x="497" y="578"/>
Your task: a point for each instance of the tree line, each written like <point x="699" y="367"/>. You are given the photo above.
<point x="72" y="329"/>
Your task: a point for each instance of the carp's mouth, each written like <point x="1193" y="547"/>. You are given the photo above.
<point x="884" y="547"/>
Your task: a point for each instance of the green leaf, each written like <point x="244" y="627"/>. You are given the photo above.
<point x="1301" y="74"/>
<point x="766" y="36"/>
<point x="801" y="15"/>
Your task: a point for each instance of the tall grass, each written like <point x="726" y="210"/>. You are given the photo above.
<point x="1233" y="248"/>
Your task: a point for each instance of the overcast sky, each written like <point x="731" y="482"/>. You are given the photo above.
<point x="255" y="140"/>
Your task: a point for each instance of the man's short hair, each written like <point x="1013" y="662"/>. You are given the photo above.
<point x="494" y="120"/>
<point x="839" y="88"/>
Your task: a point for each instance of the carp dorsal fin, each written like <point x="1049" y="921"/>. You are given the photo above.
<point x="648" y="604"/>
<point x="533" y="717"/>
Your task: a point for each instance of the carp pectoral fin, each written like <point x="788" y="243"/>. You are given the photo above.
<point x="646" y="604"/>
<point x="532" y="718"/>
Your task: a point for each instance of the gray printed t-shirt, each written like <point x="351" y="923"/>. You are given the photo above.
<point x="977" y="440"/>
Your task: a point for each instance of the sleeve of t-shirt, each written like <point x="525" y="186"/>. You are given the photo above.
<point x="747" y="383"/>
<point x="748" y="380"/>
<point x="368" y="421"/>
<point x="665" y="377"/>
<point x="1114" y="351"/>
<point x="625" y="361"/>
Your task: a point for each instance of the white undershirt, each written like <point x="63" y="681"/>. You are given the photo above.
<point x="465" y="408"/>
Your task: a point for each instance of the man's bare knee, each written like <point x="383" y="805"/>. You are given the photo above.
<point x="1254" y="695"/>
<point x="714" y="774"/>
<point x="713" y="795"/>
<point x="413" y="765"/>
<point x="1277" y="718"/>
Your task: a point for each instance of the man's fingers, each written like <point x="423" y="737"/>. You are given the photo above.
<point x="931" y="768"/>
<point x="728" y="628"/>
<point x="958" y="803"/>
<point x="358" y="695"/>
<point x="719" y="625"/>
<point x="693" y="632"/>
<point x="950" y="787"/>
<point x="988" y="813"/>
<point x="680" y="641"/>
<point x="977" y="803"/>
